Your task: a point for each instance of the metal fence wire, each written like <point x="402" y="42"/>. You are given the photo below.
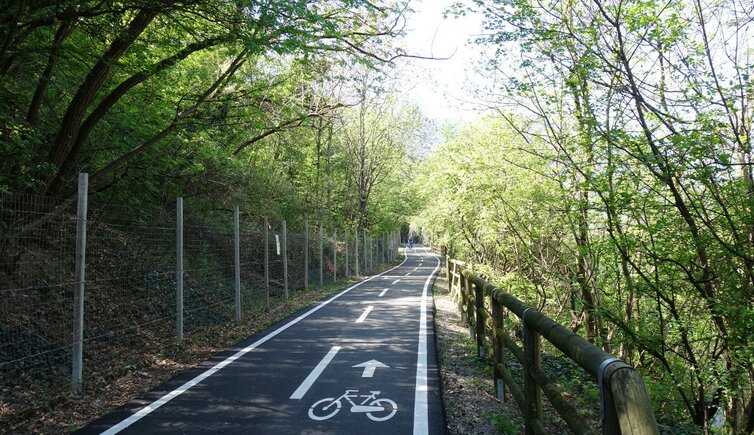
<point x="37" y="238"/>
<point x="131" y="283"/>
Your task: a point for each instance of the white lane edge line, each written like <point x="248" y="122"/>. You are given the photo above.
<point x="209" y="372"/>
<point x="421" y="402"/>
<point x="309" y="381"/>
<point x="365" y="314"/>
<point x="383" y="292"/>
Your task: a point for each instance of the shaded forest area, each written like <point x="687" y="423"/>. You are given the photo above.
<point x="613" y="187"/>
<point x="280" y="108"/>
<point x="276" y="106"/>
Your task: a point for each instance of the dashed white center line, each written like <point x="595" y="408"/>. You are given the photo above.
<point x="396" y="281"/>
<point x="383" y="292"/>
<point x="407" y="274"/>
<point x="364" y="314"/>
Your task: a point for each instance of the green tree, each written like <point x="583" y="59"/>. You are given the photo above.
<point x="644" y="109"/>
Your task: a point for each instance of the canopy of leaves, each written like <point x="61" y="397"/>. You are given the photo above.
<point x="626" y="191"/>
<point x="224" y="102"/>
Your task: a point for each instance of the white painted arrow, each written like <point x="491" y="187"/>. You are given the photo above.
<point x="369" y="367"/>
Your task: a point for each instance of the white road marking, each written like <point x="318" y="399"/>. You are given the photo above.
<point x="396" y="281"/>
<point x="421" y="402"/>
<point x="384" y="291"/>
<point x="407" y="274"/>
<point x="209" y="372"/>
<point x="365" y="314"/>
<point x="304" y="387"/>
<point x="369" y="367"/>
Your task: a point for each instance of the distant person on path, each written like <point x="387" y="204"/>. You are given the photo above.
<point x="410" y="243"/>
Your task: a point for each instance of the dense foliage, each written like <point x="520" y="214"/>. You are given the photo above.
<point x="618" y="180"/>
<point x="226" y="102"/>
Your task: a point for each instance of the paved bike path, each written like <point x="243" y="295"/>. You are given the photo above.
<point x="366" y="357"/>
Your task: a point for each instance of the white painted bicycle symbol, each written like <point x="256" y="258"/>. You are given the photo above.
<point x="376" y="409"/>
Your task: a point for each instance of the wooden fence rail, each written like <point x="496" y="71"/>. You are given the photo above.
<point x="625" y="405"/>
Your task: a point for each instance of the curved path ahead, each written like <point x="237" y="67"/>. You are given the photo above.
<point x="363" y="361"/>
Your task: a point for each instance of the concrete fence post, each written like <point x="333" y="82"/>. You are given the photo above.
<point x="306" y="255"/>
<point x="237" y="257"/>
<point x="390" y="246"/>
<point x="267" y="259"/>
<point x="356" y="251"/>
<point x="366" y="251"/>
<point x="321" y="258"/>
<point x="285" y="259"/>
<point x="77" y="362"/>
<point x="179" y="270"/>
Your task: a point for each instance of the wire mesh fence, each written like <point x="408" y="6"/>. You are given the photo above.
<point x="37" y="236"/>
<point x="131" y="280"/>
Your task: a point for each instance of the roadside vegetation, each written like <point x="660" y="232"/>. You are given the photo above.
<point x="612" y="187"/>
<point x="610" y="182"/>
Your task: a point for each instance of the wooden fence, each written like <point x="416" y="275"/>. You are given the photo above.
<point x="625" y="405"/>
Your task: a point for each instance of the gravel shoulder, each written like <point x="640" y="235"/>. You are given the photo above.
<point x="468" y="391"/>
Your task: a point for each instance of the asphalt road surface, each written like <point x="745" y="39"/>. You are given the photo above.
<point x="361" y="362"/>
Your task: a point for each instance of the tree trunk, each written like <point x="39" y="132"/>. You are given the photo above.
<point x="64" y="30"/>
<point x="71" y="123"/>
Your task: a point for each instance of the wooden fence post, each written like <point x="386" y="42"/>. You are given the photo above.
<point x="479" y="299"/>
<point x="532" y="393"/>
<point x="469" y="307"/>
<point x="458" y="293"/>
<point x="499" y="348"/>
<point x="448" y="275"/>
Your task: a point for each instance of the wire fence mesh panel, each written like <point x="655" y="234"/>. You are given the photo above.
<point x="37" y="246"/>
<point x="130" y="310"/>
<point x="341" y="259"/>
<point x="253" y="290"/>
<point x="130" y="289"/>
<point x="209" y="274"/>
<point x="296" y="261"/>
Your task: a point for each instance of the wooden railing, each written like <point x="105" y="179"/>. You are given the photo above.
<point x="625" y="405"/>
